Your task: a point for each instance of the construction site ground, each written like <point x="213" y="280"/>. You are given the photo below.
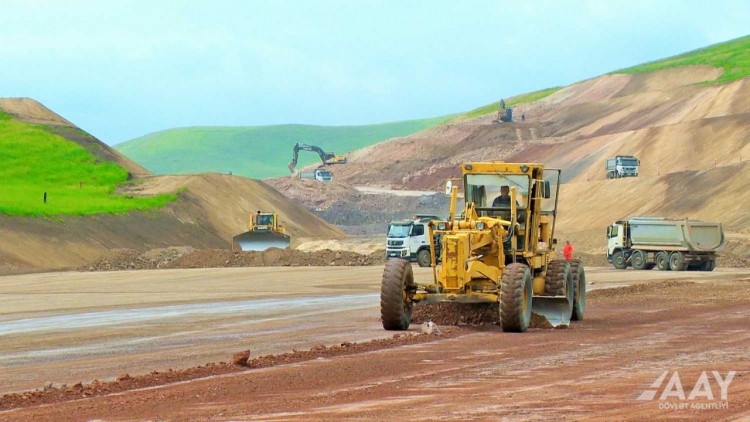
<point x="159" y="343"/>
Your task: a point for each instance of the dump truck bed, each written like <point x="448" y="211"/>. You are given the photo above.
<point x="676" y="234"/>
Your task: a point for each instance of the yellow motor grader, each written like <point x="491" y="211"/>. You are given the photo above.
<point x="501" y="248"/>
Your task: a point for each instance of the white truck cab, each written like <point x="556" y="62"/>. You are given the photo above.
<point x="409" y="239"/>
<point x="321" y="175"/>
<point x="615" y="239"/>
<point x="622" y="166"/>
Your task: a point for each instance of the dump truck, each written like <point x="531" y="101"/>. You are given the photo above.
<point x="622" y="166"/>
<point x="264" y="232"/>
<point x="494" y="254"/>
<point x="407" y="239"/>
<point x="664" y="243"/>
<point x="321" y="175"/>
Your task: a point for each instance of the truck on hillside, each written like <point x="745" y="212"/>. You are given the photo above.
<point x="408" y="239"/>
<point x="321" y="175"/>
<point x="622" y="166"/>
<point x="665" y="243"/>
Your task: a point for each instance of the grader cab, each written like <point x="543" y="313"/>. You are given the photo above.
<point x="501" y="248"/>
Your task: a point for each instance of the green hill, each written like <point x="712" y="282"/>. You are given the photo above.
<point x="36" y="161"/>
<point x="255" y="151"/>
<point x="733" y="56"/>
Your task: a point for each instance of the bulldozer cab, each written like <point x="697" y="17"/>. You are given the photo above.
<point x="264" y="232"/>
<point x="263" y="221"/>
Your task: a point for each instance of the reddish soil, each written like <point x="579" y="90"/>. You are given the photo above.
<point x="594" y="371"/>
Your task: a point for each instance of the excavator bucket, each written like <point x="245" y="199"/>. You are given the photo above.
<point x="291" y="166"/>
<point x="261" y="240"/>
<point x="556" y="309"/>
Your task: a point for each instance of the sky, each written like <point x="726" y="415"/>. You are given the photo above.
<point x="122" y="69"/>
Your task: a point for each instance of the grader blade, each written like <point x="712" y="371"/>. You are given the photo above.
<point x="556" y="309"/>
<point x="260" y="241"/>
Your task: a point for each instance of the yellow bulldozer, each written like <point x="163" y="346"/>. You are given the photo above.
<point x="264" y="232"/>
<point x="501" y="248"/>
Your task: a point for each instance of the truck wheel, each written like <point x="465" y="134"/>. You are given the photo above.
<point x="558" y="274"/>
<point x="397" y="283"/>
<point x="579" y="290"/>
<point x="708" y="265"/>
<point x="662" y="261"/>
<point x="515" y="298"/>
<point x="423" y="258"/>
<point x="638" y="259"/>
<point x="618" y="260"/>
<point x="677" y="261"/>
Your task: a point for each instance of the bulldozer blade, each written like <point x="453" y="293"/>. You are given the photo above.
<point x="260" y="241"/>
<point x="556" y="309"/>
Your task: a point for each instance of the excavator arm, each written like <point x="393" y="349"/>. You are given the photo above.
<point x="325" y="157"/>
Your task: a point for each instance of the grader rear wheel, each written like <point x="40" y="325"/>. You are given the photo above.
<point x="558" y="274"/>
<point x="515" y="300"/>
<point x="579" y="289"/>
<point x="397" y="284"/>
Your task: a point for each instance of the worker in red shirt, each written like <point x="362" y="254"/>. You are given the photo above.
<point x="568" y="250"/>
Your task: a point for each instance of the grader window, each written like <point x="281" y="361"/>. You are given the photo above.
<point x="485" y="189"/>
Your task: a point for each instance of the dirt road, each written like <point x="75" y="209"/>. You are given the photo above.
<point x="153" y="320"/>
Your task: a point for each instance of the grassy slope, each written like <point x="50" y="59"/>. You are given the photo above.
<point x="264" y="151"/>
<point x="255" y="151"/>
<point x="733" y="56"/>
<point x="36" y="161"/>
<point x="509" y="102"/>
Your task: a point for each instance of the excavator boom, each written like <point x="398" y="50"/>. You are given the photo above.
<point x="325" y="157"/>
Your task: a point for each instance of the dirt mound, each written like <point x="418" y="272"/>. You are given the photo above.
<point x="31" y="111"/>
<point x="211" y="209"/>
<point x="456" y="313"/>
<point x="228" y="201"/>
<point x="461" y="314"/>
<point x="312" y="193"/>
<point x="358" y="212"/>
<point x="129" y="259"/>
<point x="650" y="287"/>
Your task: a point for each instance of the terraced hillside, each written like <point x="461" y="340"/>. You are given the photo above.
<point x="689" y="129"/>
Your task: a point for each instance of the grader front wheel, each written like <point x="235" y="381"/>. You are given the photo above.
<point x="395" y="306"/>
<point x="515" y="301"/>
<point x="579" y="288"/>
